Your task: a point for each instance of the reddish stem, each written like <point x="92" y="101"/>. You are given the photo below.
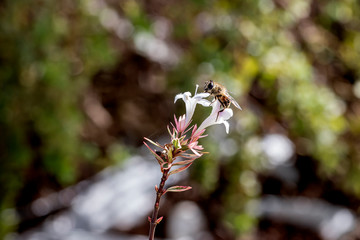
<point x="159" y="193"/>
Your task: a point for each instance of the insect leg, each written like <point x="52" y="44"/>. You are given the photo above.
<point x="219" y="113"/>
<point x="215" y="98"/>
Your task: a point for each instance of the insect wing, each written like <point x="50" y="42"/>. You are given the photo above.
<point x="233" y="101"/>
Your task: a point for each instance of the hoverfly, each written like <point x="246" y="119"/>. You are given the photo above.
<point x="220" y="93"/>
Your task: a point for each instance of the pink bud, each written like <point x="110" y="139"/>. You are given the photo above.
<point x="159" y="220"/>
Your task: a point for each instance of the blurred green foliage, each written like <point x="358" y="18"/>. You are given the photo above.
<point x="291" y="60"/>
<point x="292" y="65"/>
<point x="48" y="52"/>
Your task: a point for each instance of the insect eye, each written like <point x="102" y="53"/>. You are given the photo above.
<point x="211" y="84"/>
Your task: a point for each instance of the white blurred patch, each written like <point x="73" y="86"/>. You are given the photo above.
<point x="228" y="147"/>
<point x="111" y="20"/>
<point x="356" y="89"/>
<point x="205" y="22"/>
<point x="330" y="221"/>
<point x="278" y="148"/>
<point x="187" y="222"/>
<point x="156" y="49"/>
<point x="342" y="221"/>
<point x="162" y="28"/>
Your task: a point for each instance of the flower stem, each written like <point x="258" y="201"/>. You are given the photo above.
<point x="159" y="193"/>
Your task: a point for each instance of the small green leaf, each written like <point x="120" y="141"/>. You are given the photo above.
<point x="174" y="133"/>
<point x="154" y="143"/>
<point x="158" y="158"/>
<point x="166" y="166"/>
<point x="178" y="188"/>
<point x="180" y="169"/>
<point x="190" y="155"/>
<point x="183" y="162"/>
<point x="168" y="152"/>
<point x="176" y="143"/>
<point x="170" y="133"/>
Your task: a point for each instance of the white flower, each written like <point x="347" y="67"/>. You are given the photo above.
<point x="190" y="102"/>
<point x="217" y="117"/>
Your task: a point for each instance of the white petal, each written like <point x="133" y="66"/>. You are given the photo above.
<point x="226" y="126"/>
<point x="204" y="102"/>
<point x="202" y="95"/>
<point x="191" y="102"/>
<point x="190" y="109"/>
<point x="210" y="120"/>
<point x="187" y="94"/>
<point x="226" y="114"/>
<point x="178" y="96"/>
<point x="217" y="117"/>
<point x="184" y="96"/>
<point x="216" y="108"/>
